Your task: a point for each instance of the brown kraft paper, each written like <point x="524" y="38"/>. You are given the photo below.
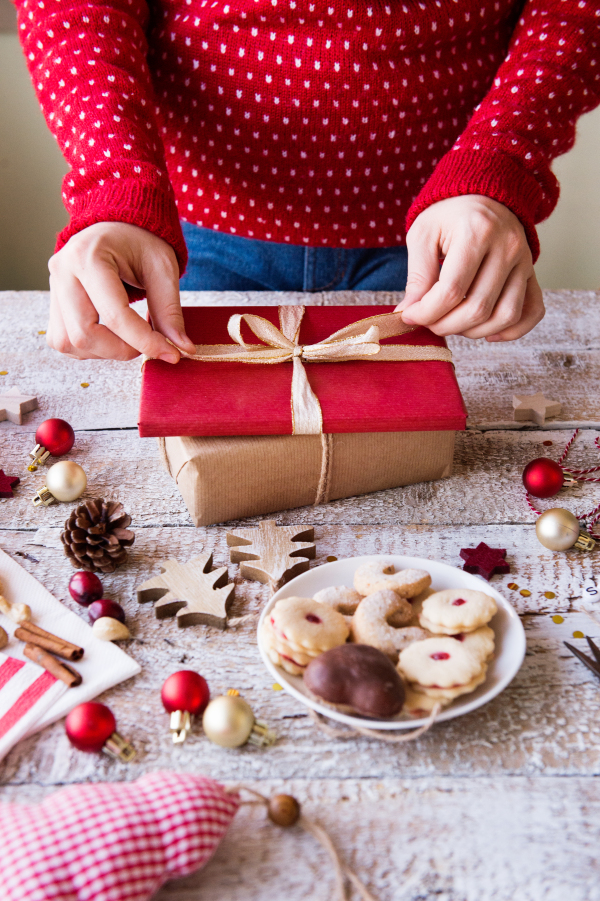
<point x="226" y="478"/>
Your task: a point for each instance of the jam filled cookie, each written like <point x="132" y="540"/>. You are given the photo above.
<point x="439" y="663"/>
<point x="449" y="694"/>
<point x="287" y="658"/>
<point x="370" y="623"/>
<point x="344" y="600"/>
<point x="481" y="642"/>
<point x="307" y="624"/>
<point x="356" y="678"/>
<point x="457" y="610"/>
<point x="381" y="574"/>
<point x="416" y="703"/>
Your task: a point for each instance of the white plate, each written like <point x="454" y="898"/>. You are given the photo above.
<point x="510" y="636"/>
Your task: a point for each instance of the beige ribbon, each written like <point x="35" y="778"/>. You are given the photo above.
<point x="358" y="341"/>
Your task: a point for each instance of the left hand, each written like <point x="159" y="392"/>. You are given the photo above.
<point x="486" y="287"/>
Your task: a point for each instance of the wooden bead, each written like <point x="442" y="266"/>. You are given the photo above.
<point x="284" y="810"/>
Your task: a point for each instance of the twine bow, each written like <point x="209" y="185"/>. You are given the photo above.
<point x="358" y="341"/>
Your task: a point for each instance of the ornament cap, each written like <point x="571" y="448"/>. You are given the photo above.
<point x="116" y="746"/>
<point x="43" y="497"/>
<point x="39" y="454"/>
<point x="585" y="542"/>
<point x="180" y="725"/>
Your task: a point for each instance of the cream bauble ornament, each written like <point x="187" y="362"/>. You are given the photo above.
<point x="559" y="530"/>
<point x="65" y="481"/>
<point x="228" y="721"/>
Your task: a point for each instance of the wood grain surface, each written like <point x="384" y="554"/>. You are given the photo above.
<point x="499" y="805"/>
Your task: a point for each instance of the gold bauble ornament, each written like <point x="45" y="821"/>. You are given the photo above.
<point x="65" y="481"/>
<point x="228" y="721"/>
<point x="558" y="530"/>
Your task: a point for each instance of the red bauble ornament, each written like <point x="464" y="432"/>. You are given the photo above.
<point x="105" y="607"/>
<point x="56" y="436"/>
<point x="185" y="690"/>
<point x="92" y="727"/>
<point x="543" y="477"/>
<point x="85" y="588"/>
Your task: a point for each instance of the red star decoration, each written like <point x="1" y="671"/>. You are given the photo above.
<point x="484" y="561"/>
<point x="7" y="483"/>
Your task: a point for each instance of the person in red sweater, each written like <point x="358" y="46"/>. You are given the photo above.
<point x="290" y="134"/>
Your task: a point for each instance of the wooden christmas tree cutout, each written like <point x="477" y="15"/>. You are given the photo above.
<point x="277" y="553"/>
<point x="13" y="405"/>
<point x="192" y="591"/>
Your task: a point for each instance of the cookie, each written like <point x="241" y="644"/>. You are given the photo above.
<point x="304" y="623"/>
<point x="457" y="610"/>
<point x="356" y="678"/>
<point x="370" y="623"/>
<point x="301" y="656"/>
<point x="381" y="574"/>
<point x="439" y="662"/>
<point x="481" y="642"/>
<point x="417" y="703"/>
<point x="288" y="660"/>
<point x="449" y="694"/>
<point x="344" y="600"/>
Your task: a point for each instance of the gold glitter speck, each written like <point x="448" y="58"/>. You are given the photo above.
<point x="43" y="332"/>
<point x="4" y="372"/>
<point x="331" y="559"/>
<point x="578" y="635"/>
<point x="513" y="586"/>
<point x="550" y="595"/>
<point x="558" y="619"/>
<point x="525" y="593"/>
<point x="85" y="384"/>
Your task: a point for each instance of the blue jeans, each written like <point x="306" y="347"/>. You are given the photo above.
<point x="222" y="262"/>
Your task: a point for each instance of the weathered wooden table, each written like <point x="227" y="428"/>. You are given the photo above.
<point x="499" y="805"/>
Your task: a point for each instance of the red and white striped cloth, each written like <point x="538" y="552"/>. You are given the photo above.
<point x="112" y="841"/>
<point x="26" y="693"/>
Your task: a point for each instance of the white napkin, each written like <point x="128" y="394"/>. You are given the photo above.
<point x="103" y="664"/>
<point x="26" y="693"/>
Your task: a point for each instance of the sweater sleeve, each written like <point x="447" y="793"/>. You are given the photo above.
<point x="88" y="65"/>
<point x="551" y="75"/>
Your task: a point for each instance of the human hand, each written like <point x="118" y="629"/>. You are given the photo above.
<point x="486" y="287"/>
<point x="86" y="286"/>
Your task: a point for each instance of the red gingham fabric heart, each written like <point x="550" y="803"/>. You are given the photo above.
<point x="112" y="841"/>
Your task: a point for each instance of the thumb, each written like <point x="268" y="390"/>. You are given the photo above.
<point x="164" y="307"/>
<point x="423" y="271"/>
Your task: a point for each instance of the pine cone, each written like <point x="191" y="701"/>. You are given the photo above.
<point x="96" y="536"/>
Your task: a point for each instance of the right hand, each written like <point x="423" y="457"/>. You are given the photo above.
<point x="86" y="285"/>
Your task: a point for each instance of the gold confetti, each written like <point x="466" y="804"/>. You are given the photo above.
<point x="550" y="595"/>
<point x="513" y="586"/>
<point x="578" y="635"/>
<point x="558" y="619"/>
<point x="43" y="332"/>
<point x="277" y="686"/>
<point x="525" y="593"/>
<point x="4" y="372"/>
<point x="331" y="559"/>
<point x="85" y="384"/>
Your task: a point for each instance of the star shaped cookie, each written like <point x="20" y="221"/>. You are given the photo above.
<point x="484" y="561"/>
<point x="536" y="407"/>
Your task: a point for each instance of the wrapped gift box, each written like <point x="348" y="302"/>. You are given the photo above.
<point x="229" y="434"/>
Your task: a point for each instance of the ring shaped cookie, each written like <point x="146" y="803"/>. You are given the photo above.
<point x="439" y="662"/>
<point x="381" y="574"/>
<point x="457" y="610"/>
<point x="370" y="623"/>
<point x="344" y="600"/>
<point x="308" y="624"/>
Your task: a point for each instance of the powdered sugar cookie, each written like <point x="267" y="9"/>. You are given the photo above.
<point x="449" y="694"/>
<point x="457" y="610"/>
<point x="344" y="600"/>
<point x="381" y="574"/>
<point x="481" y="642"/>
<point x="308" y="624"/>
<point x="370" y="623"/>
<point x="439" y="662"/>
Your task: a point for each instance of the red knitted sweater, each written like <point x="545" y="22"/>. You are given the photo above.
<point x="315" y="122"/>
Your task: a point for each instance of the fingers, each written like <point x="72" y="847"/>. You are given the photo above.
<point x="533" y="311"/>
<point x="164" y="306"/>
<point x="423" y="266"/>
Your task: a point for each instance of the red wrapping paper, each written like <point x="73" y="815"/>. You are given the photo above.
<point x="211" y="399"/>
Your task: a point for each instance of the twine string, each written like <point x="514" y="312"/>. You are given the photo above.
<point x="341" y="872"/>
<point x="355" y="731"/>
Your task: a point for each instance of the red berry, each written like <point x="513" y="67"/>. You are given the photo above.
<point x="185" y="690"/>
<point x="106" y="607"/>
<point x="89" y="725"/>
<point x="440" y="655"/>
<point x="85" y="588"/>
<point x="56" y="436"/>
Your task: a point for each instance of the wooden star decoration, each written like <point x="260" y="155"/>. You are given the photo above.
<point x="13" y="405"/>
<point x="277" y="553"/>
<point x="7" y="483"/>
<point x="193" y="592"/>
<point x="484" y="561"/>
<point x="534" y="407"/>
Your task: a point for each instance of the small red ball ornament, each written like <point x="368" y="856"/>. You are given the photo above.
<point x="85" y="588"/>
<point x="92" y="727"/>
<point x="56" y="436"/>
<point x="543" y="477"/>
<point x="184" y="694"/>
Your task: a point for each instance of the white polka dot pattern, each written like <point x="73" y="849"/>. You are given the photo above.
<point x="310" y="123"/>
<point x="112" y="842"/>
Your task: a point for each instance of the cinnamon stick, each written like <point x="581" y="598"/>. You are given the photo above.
<point x="61" y="670"/>
<point x="42" y="639"/>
